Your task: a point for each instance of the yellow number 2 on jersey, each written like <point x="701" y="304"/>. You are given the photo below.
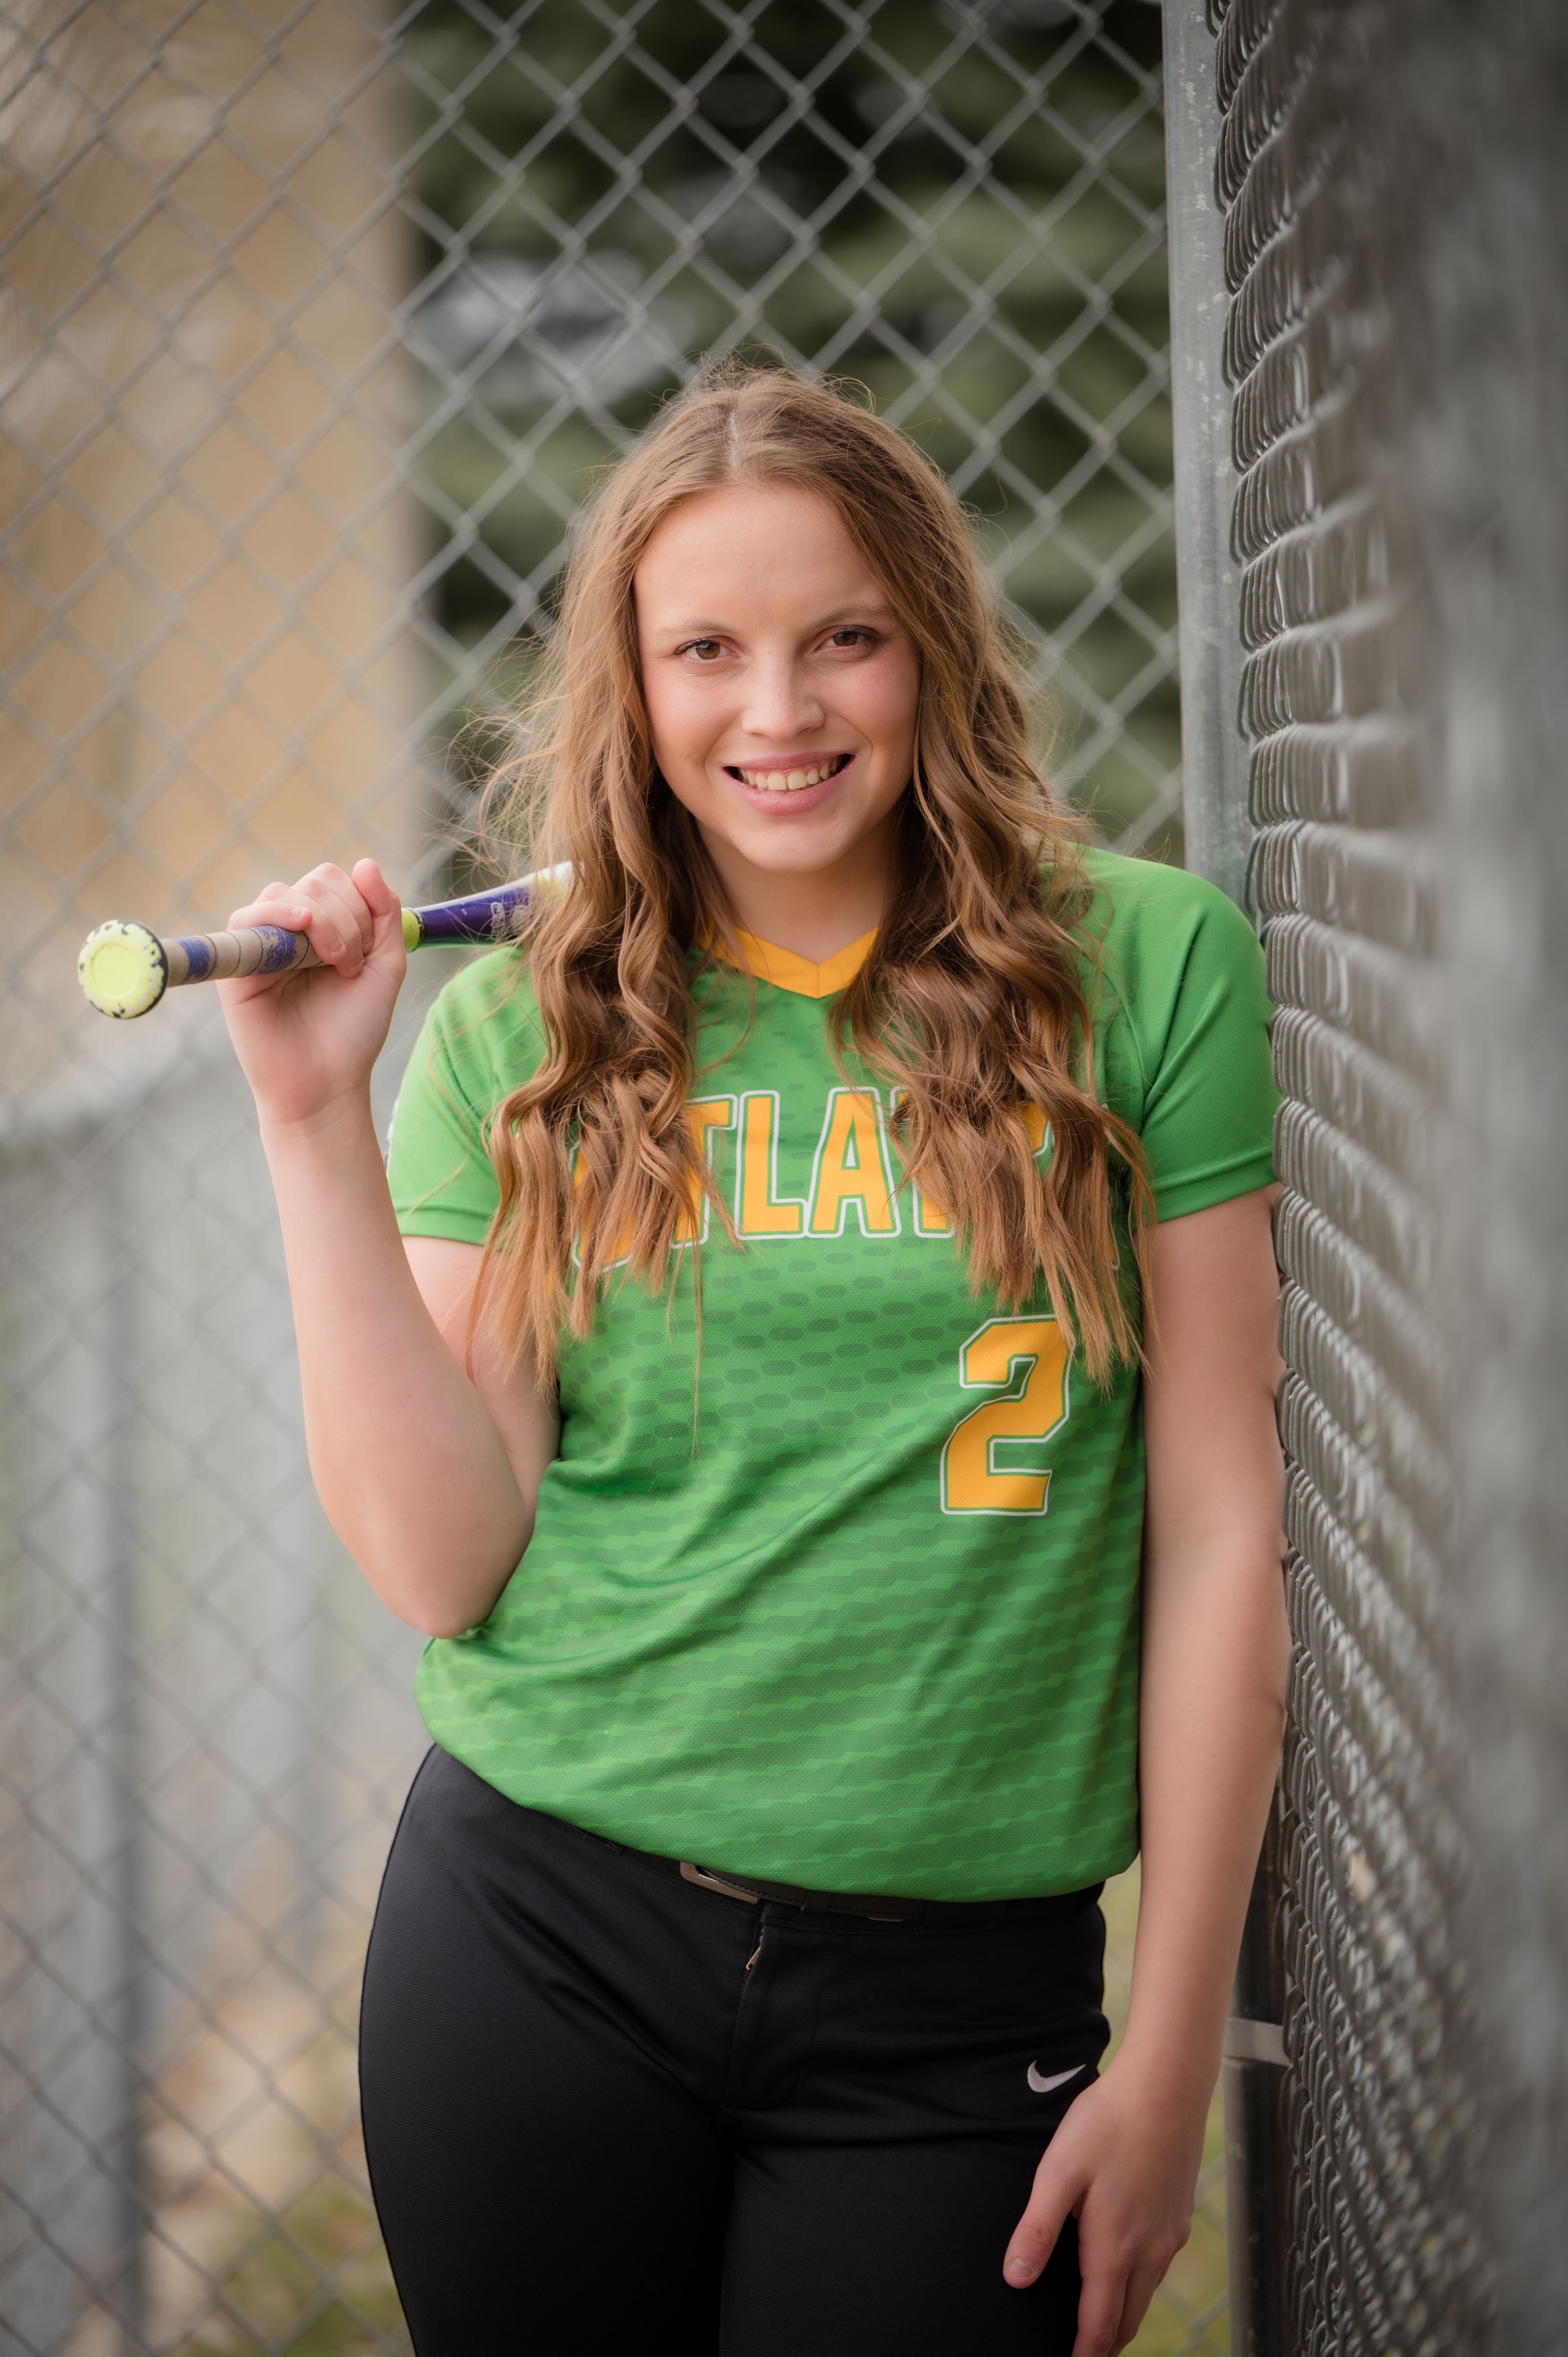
<point x="1030" y="1409"/>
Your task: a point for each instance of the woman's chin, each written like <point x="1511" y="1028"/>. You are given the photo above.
<point x="797" y="851"/>
<point x="800" y="841"/>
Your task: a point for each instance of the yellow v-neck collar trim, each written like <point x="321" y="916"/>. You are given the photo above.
<point x="787" y="970"/>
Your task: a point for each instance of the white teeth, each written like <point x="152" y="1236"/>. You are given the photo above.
<point x="785" y="781"/>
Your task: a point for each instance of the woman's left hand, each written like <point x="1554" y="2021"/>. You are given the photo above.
<point x="1125" y="2162"/>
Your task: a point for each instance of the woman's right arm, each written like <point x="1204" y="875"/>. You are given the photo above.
<point x="429" y="1477"/>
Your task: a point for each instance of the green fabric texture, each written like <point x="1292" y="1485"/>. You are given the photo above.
<point x="858" y="1608"/>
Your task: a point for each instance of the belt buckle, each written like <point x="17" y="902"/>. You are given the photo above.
<point x="705" y="1881"/>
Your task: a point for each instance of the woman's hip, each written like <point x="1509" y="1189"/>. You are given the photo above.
<point x="791" y="2020"/>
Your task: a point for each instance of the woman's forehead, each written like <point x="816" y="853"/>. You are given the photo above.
<point x="773" y="544"/>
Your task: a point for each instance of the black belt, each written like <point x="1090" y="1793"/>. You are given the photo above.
<point x="882" y="1910"/>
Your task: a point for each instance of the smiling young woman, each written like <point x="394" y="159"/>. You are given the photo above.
<point x="818" y="1406"/>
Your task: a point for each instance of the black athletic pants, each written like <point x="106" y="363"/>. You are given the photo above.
<point x="608" y="2110"/>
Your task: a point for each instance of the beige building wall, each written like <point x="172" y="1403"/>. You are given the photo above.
<point x="205" y="552"/>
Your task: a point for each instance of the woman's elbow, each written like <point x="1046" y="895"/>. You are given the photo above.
<point x="441" y="1615"/>
<point x="440" y="1624"/>
<point x="451" y="1603"/>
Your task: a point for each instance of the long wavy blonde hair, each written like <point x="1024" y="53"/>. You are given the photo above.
<point x="971" y="1004"/>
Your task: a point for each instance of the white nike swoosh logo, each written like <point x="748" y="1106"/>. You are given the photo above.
<point x="1043" y="2086"/>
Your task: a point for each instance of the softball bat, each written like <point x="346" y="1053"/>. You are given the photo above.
<point x="125" y="969"/>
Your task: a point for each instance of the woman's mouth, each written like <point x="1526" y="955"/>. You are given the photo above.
<point x="790" y="777"/>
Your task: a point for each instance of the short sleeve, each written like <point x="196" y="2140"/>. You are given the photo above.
<point x="1209" y="1099"/>
<point x="470" y="1053"/>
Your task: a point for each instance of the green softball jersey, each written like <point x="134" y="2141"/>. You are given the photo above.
<point x="858" y="1608"/>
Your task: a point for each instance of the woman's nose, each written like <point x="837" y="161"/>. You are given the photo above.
<point x="782" y="701"/>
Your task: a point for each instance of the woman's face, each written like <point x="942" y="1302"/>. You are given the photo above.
<point x="780" y="686"/>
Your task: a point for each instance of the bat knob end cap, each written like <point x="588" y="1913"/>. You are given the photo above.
<point x="122" y="968"/>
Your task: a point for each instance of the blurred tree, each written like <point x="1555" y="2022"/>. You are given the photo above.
<point x="960" y="205"/>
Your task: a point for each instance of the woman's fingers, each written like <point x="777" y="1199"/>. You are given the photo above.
<point x="377" y="894"/>
<point x="1120" y="2259"/>
<point x="342" y="928"/>
<point x="385" y="907"/>
<point x="1142" y="2286"/>
<point x="1101" y="2310"/>
<point x="329" y="907"/>
<point x="1120" y="2271"/>
<point x="1035" y="2237"/>
<point x="1117" y="2289"/>
<point x="277" y="904"/>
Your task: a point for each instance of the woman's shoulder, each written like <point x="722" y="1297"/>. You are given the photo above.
<point x="1142" y="906"/>
<point x="484" y="1020"/>
<point x="1174" y="964"/>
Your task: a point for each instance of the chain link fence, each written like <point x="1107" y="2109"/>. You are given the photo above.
<point x="320" y="322"/>
<point x="1345" y="878"/>
<point x="1393" y="277"/>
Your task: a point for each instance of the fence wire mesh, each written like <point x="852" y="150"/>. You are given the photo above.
<point x="1340" y="632"/>
<point x="320" y="322"/>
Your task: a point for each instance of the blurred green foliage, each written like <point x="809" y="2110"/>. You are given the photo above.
<point x="313" y="2281"/>
<point x="960" y="207"/>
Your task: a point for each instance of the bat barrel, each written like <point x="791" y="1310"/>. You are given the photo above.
<point x="497" y="916"/>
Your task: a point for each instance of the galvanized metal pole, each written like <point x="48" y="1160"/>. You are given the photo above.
<point x="129" y="1996"/>
<point x="1219" y="840"/>
<point x="1214" y="758"/>
<point x="1256" y="2202"/>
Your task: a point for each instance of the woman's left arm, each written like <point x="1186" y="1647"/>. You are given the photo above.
<point x="1125" y="2159"/>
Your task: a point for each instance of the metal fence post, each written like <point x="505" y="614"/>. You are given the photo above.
<point x="1214" y="756"/>
<point x="1256" y="2188"/>
<point x="128" y="2007"/>
<point x="1218" y="838"/>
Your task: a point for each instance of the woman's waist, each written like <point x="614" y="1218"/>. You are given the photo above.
<point x="970" y="1887"/>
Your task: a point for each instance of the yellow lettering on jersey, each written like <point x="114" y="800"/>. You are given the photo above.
<point x="851" y="1168"/>
<point x="759" y="1209"/>
<point x="704" y="1117"/>
<point x="971" y="1482"/>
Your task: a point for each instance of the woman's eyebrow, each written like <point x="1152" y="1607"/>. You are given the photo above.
<point x="705" y="626"/>
<point x="868" y="609"/>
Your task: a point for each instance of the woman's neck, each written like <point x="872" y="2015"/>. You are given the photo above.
<point x="815" y="913"/>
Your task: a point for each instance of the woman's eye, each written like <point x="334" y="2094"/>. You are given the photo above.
<point x="849" y="638"/>
<point x="704" y="648"/>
